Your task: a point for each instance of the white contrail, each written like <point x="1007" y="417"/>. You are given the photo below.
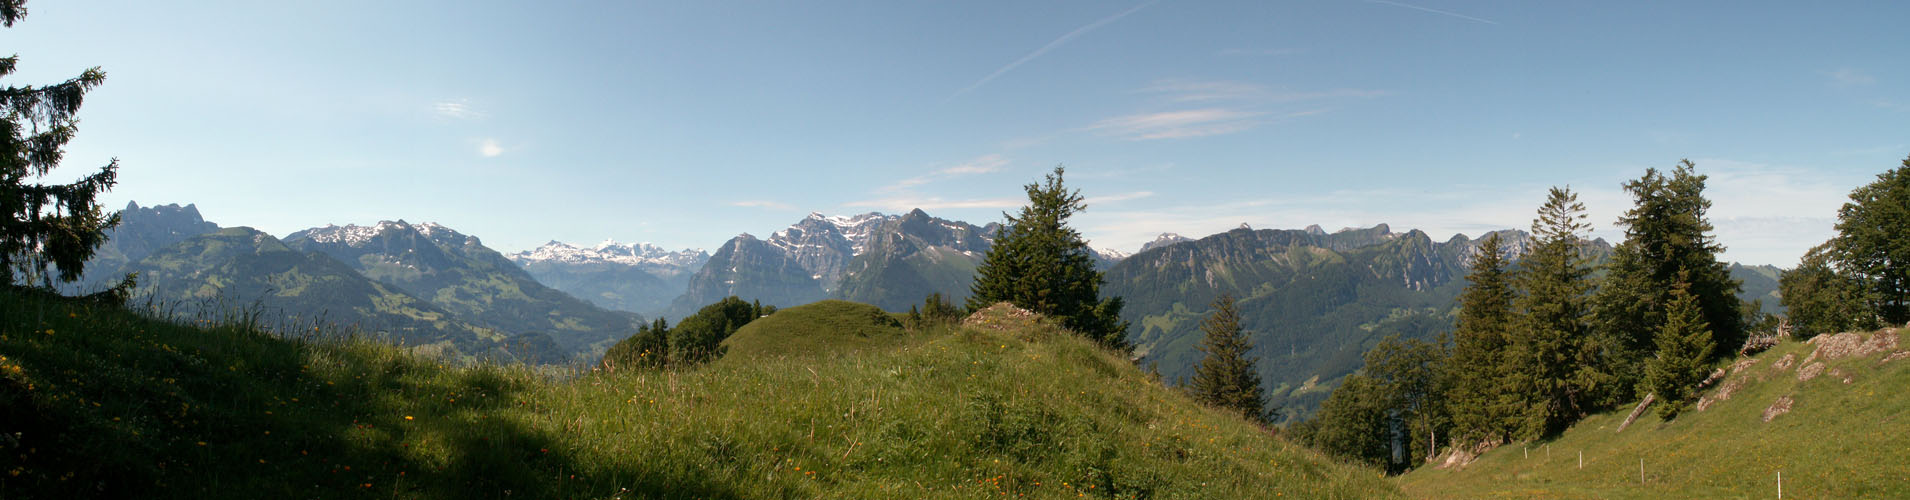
<point x="1435" y="11"/>
<point x="1050" y="46"/>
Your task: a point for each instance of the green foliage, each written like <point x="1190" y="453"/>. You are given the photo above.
<point x="1483" y="407"/>
<point x="1389" y="414"/>
<point x="1225" y="377"/>
<point x="1555" y="362"/>
<point x="1872" y="245"/>
<point x="98" y="402"/>
<point x="1040" y="264"/>
<point x="649" y="348"/>
<point x="1839" y="440"/>
<point x="695" y="340"/>
<point x="47" y="231"/>
<point x="934" y="311"/>
<point x="1684" y="352"/>
<point x="1818" y="299"/>
<point x="1666" y="236"/>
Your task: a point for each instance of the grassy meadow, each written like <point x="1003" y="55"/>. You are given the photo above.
<point x="1839" y="440"/>
<point x="101" y="402"/>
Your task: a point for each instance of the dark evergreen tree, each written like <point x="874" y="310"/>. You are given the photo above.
<point x="1482" y="405"/>
<point x="1555" y="366"/>
<point x="1818" y="299"/>
<point x="48" y="231"/>
<point x="1666" y="236"/>
<point x="649" y="348"/>
<point x="1040" y="264"/>
<point x="1684" y="352"/>
<point x="1873" y="246"/>
<point x="1225" y="377"/>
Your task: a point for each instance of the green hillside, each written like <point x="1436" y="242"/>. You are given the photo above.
<point x="817" y="329"/>
<point x="102" y="402"/>
<point x="1849" y="386"/>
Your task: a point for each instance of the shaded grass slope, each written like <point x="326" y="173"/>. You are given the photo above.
<point x="100" y="402"/>
<point x="1834" y="430"/>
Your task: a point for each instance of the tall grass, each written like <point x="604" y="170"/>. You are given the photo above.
<point x="102" y="402"/>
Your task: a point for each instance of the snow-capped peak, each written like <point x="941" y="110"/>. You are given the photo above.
<point x="353" y="235"/>
<point x="636" y="254"/>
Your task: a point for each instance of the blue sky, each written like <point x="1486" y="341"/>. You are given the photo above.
<point x="685" y="124"/>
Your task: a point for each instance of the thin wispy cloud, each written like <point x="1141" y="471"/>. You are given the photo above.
<point x="1177" y="124"/>
<point x="981" y="165"/>
<point x="906" y="203"/>
<point x="490" y="148"/>
<point x="456" y="109"/>
<point x="1260" y="52"/>
<point x="1050" y="46"/>
<point x="1116" y="198"/>
<point x="1847" y="77"/>
<point x="773" y="205"/>
<point x="1178" y="90"/>
<point x="1435" y="11"/>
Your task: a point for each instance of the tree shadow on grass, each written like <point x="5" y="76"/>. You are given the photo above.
<point x="114" y="405"/>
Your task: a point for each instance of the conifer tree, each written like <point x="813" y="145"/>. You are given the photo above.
<point x="1555" y="366"/>
<point x="1684" y="351"/>
<point x="1666" y="236"/>
<point x="1040" y="264"/>
<point x="45" y="227"/>
<point x="1482" y="405"/>
<point x="1225" y="377"/>
<point x="1873" y="246"/>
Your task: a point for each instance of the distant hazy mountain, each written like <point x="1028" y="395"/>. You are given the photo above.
<point x="910" y="257"/>
<point x="460" y="275"/>
<point x="1760" y="284"/>
<point x="1313" y="302"/>
<point x="640" y="278"/>
<point x="141" y="231"/>
<point x="240" y="268"/>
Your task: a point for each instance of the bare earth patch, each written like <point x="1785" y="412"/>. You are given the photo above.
<point x="1779" y="407"/>
<point x="1785" y="362"/>
<point x="1002" y="317"/>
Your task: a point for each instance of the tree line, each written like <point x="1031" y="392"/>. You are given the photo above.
<point x="1543" y="339"/>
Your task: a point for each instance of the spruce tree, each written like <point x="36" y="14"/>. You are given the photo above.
<point x="1554" y="365"/>
<point x="1684" y="351"/>
<point x="1225" y="377"/>
<point x="1872" y="245"/>
<point x="48" y="231"/>
<point x="1483" y="406"/>
<point x="1666" y="236"/>
<point x="1040" y="264"/>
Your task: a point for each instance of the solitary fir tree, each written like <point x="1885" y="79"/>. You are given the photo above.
<point x="1684" y="351"/>
<point x="1666" y="236"/>
<point x="1040" y="264"/>
<point x="1555" y="366"/>
<point x="1483" y="406"/>
<point x="1225" y="377"/>
<point x="56" y="226"/>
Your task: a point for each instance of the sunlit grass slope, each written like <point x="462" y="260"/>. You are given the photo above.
<point x="823" y="328"/>
<point x="1838" y="440"/>
<point x="104" y="403"/>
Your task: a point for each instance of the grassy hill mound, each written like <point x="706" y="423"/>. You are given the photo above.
<point x="104" y="403"/>
<point x="1828" y="414"/>
<point x="826" y="327"/>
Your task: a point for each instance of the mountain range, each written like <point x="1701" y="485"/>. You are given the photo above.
<point x="1312" y="301"/>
